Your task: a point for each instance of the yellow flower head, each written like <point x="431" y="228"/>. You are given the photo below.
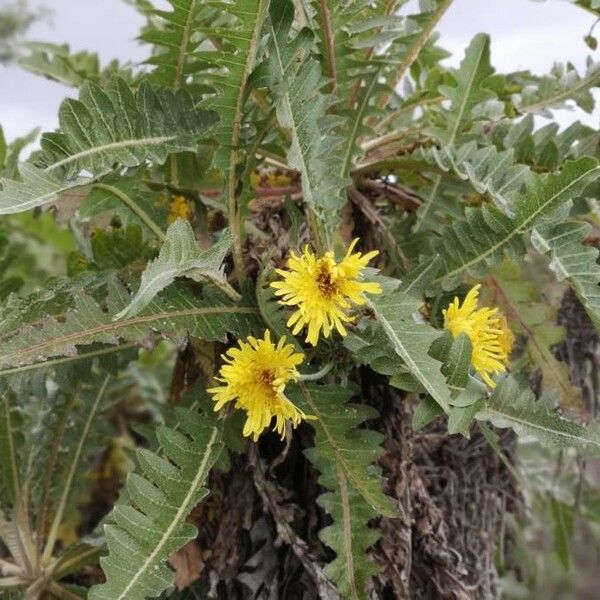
<point x="323" y="291"/>
<point x="179" y="208"/>
<point x="271" y="180"/>
<point x="488" y="331"/>
<point x="254" y="377"/>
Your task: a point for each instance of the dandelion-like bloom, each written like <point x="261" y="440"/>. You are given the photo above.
<point x="323" y="290"/>
<point x="179" y="208"/>
<point x="488" y="331"/>
<point x="254" y="377"/>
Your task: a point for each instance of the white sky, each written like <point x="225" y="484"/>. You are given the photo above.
<point x="525" y="35"/>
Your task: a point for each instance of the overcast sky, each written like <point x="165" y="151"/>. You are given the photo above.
<point x="525" y="35"/>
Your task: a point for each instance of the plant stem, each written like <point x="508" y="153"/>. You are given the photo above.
<point x="138" y="210"/>
<point x="329" y="45"/>
<point x="318" y="375"/>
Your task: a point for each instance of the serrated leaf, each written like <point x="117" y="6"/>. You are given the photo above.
<point x="58" y="63"/>
<point x="412" y="340"/>
<point x="174" y="313"/>
<point x="345" y="457"/>
<point x="104" y="128"/>
<point x="540" y="95"/>
<point x="573" y="261"/>
<point x="513" y="406"/>
<point x="296" y="81"/>
<point x="145" y="531"/>
<point x="469" y="91"/>
<point x="179" y="256"/>
<point x="486" y="233"/>
<point x="487" y="170"/>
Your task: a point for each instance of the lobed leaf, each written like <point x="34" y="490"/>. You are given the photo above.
<point x="399" y="315"/>
<point x="145" y="530"/>
<point x="297" y="83"/>
<point x="514" y="406"/>
<point x="344" y="457"/>
<point x="573" y="261"/>
<point x="486" y="234"/>
<point x="179" y="257"/>
<point x="106" y="127"/>
<point x="175" y="313"/>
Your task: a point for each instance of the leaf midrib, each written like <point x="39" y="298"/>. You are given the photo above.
<point x="348" y="470"/>
<point x="564" y="95"/>
<point x="533" y="425"/>
<point x="117" y="325"/>
<point x="129" y="143"/>
<point x="518" y="229"/>
<point x="412" y="365"/>
<point x="182" y="512"/>
<point x="347" y="529"/>
<point x="185" y="38"/>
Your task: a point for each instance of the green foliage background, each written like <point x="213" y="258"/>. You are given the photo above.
<point x="277" y="124"/>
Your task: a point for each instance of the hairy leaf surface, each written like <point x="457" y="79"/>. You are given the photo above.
<point x="145" y="530"/>
<point x="104" y="128"/>
<point x="344" y="457"/>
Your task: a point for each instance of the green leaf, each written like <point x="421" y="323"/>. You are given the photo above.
<point x="471" y="77"/>
<point x="58" y="63"/>
<point x="538" y="95"/>
<point x="572" y="261"/>
<point x="69" y="481"/>
<point x="469" y="245"/>
<point x="345" y="458"/>
<point x="455" y="353"/>
<point x="350" y="35"/>
<point x="562" y="516"/>
<point x="411" y="340"/>
<point x="461" y="417"/>
<point x="174" y="36"/>
<point x="513" y="406"/>
<point x="487" y="170"/>
<point x="470" y="90"/>
<point x="175" y="313"/>
<point x="426" y="412"/>
<point x="296" y="81"/>
<point x="146" y="530"/>
<point x="104" y="128"/>
<point x="232" y="69"/>
<point x="179" y="257"/>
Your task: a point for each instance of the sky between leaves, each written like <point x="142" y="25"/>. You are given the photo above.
<point x="525" y="35"/>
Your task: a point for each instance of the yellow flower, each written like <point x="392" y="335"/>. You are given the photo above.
<point x="179" y="208"/>
<point x="254" y="377"/>
<point x="271" y="180"/>
<point x="324" y="291"/>
<point x="488" y="331"/>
